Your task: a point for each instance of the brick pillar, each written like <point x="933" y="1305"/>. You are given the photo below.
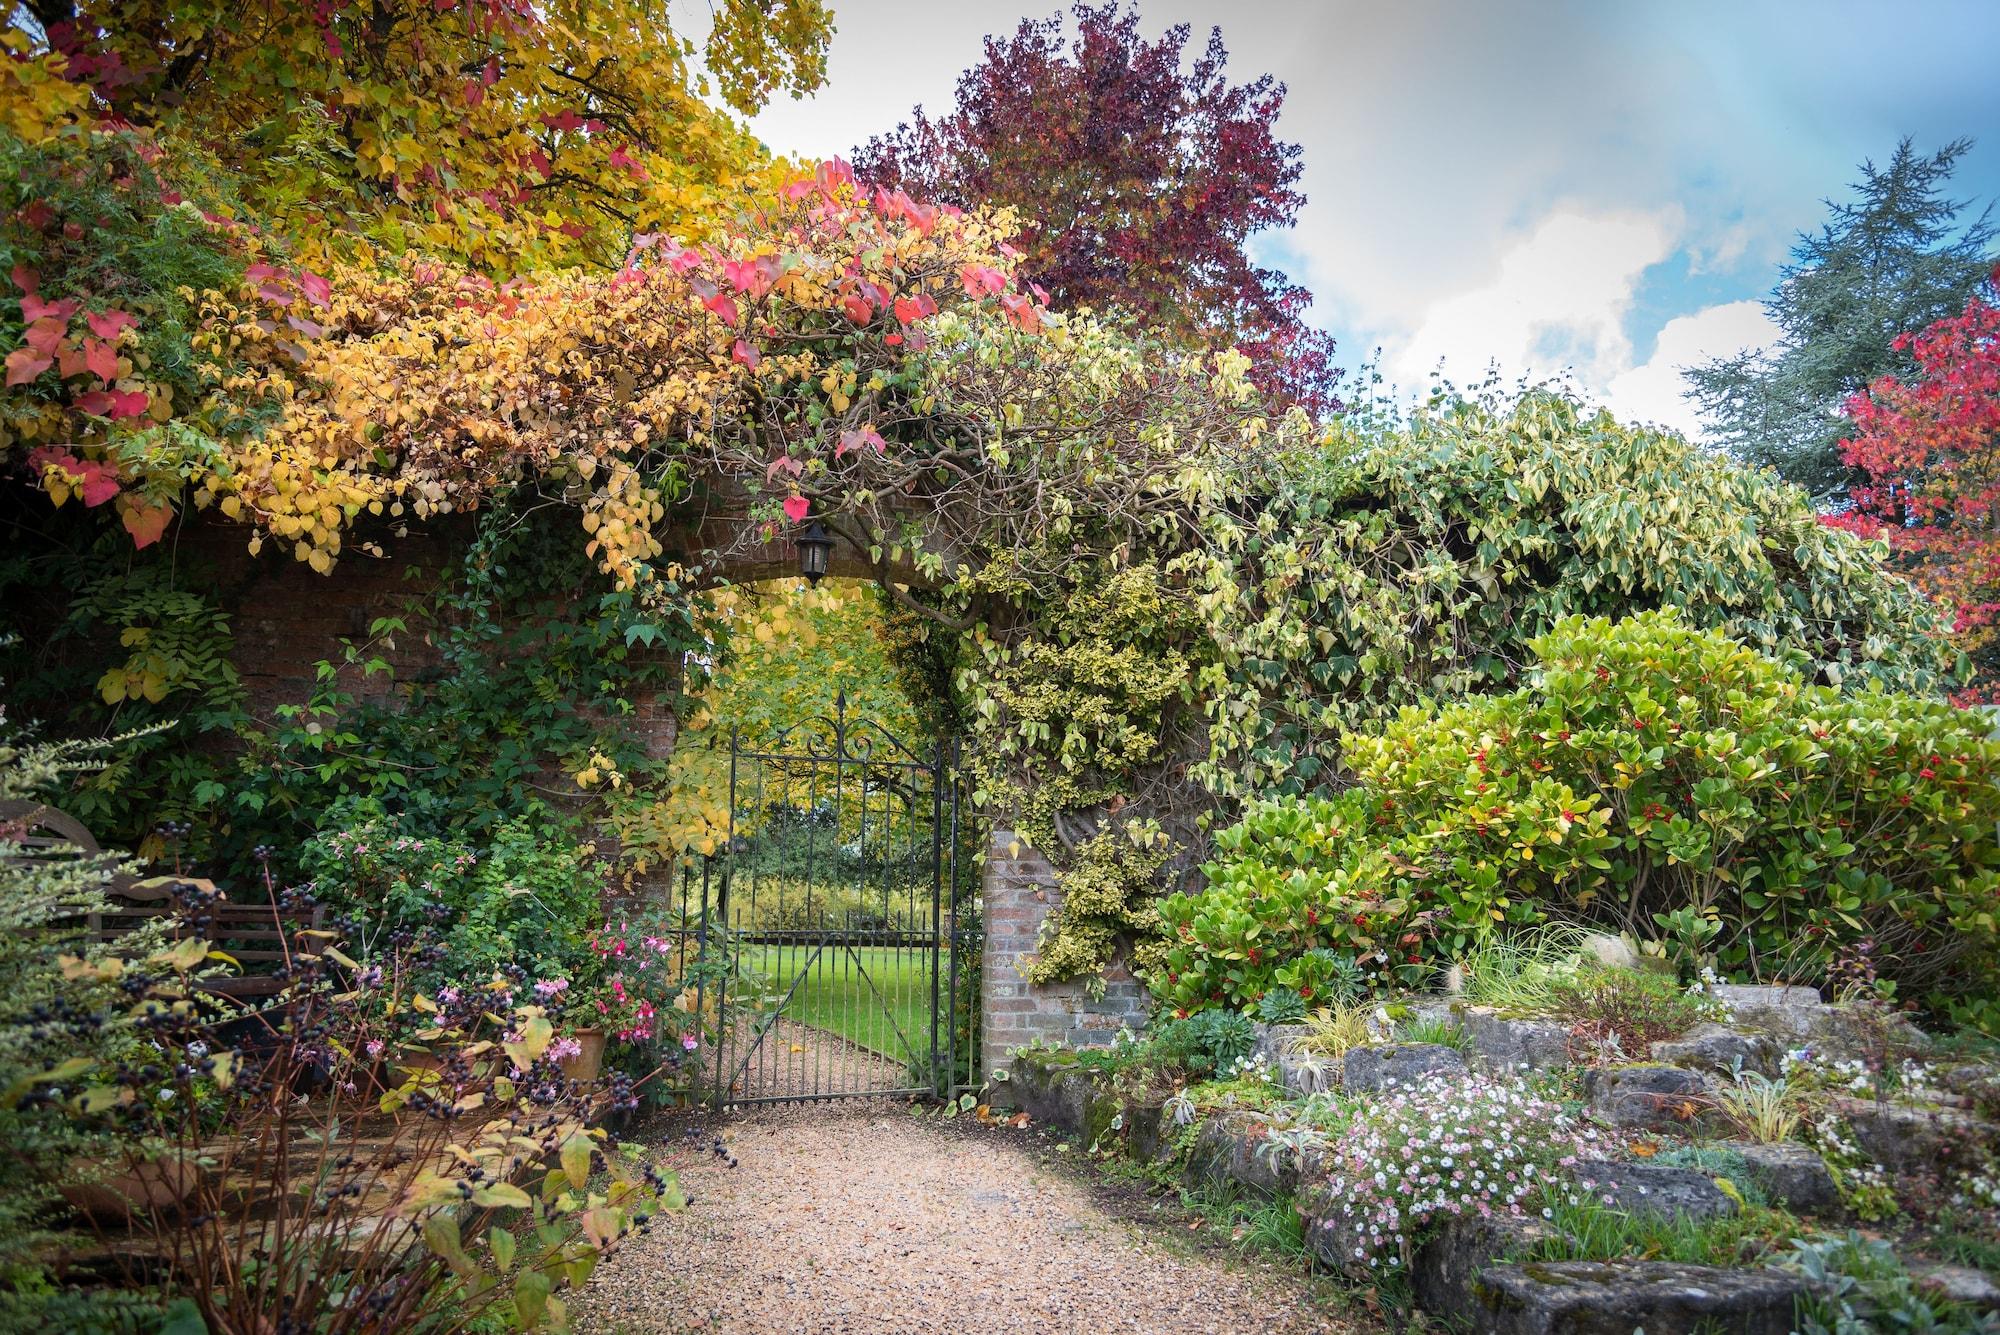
<point x="1018" y="889"/>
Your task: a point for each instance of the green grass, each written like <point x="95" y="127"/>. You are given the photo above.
<point x="1584" y="1232"/>
<point x="835" y="994"/>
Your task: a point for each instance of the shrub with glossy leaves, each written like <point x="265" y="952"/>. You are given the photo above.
<point x="1651" y="772"/>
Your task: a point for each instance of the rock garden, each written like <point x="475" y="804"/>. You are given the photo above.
<point x="1616" y="1153"/>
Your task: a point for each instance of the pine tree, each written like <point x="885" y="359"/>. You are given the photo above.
<point x="1894" y="259"/>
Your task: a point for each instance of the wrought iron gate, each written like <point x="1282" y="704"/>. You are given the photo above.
<point x="842" y="961"/>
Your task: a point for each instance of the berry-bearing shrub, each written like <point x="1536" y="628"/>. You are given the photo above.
<point x="1652" y="779"/>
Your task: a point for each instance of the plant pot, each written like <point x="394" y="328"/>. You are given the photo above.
<point x="151" y="1186"/>
<point x="588" y="1062"/>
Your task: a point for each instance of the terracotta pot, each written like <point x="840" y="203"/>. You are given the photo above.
<point x="156" y="1186"/>
<point x="586" y="1064"/>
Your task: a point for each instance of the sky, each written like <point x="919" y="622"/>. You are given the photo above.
<point x="1599" y="189"/>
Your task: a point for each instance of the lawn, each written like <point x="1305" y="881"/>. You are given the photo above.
<point x="836" y="995"/>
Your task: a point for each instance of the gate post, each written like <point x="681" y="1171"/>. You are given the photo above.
<point x="1018" y="892"/>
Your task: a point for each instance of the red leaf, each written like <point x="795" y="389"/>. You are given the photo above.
<point x="99" y="482"/>
<point x="747" y="355"/>
<point x="145" y="521"/>
<point x="854" y="440"/>
<point x="857" y="310"/>
<point x="24" y="364"/>
<point x="316" y="288"/>
<point x="723" y="307"/>
<point x="101" y="358"/>
<point x="129" y="402"/>
<point x="33" y="308"/>
<point x="108" y="324"/>
<point x="97" y="403"/>
<point x="28" y="280"/>
<point x="621" y="158"/>
<point x="797" y="508"/>
<point x="912" y="309"/>
<point x="44" y="335"/>
<point x="982" y="280"/>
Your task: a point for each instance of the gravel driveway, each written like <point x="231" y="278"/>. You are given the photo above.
<point x="865" y="1218"/>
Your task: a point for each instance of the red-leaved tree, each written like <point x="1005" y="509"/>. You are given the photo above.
<point x="1930" y="445"/>
<point x="1137" y="181"/>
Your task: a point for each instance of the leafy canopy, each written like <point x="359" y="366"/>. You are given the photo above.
<point x="1138" y="177"/>
<point x="1899" y="256"/>
<point x="509" y="134"/>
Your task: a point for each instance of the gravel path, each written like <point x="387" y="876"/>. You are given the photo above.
<point x="865" y="1218"/>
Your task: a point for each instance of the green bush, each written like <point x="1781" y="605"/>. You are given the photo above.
<point x="520" y="898"/>
<point x="1653" y="780"/>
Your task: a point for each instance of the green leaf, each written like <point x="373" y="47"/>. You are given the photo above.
<point x="531" y="1297"/>
<point x="502" y="1196"/>
<point x="576" y="1153"/>
<point x="501" y="1243"/>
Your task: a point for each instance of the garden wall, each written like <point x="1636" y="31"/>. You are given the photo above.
<point x="1019" y="891"/>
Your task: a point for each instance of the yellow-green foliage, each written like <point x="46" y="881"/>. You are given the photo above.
<point x="1653" y="780"/>
<point x="1317" y="588"/>
<point x="1107" y="890"/>
<point x="1416" y="560"/>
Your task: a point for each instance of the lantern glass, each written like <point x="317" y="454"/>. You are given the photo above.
<point x="814" y="548"/>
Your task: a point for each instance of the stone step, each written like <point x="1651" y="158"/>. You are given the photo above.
<point x="1658" y="1297"/>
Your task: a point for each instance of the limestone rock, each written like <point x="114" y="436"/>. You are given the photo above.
<point x="1793" y="1013"/>
<point x="1904" y="1139"/>
<point x="1619" y="1297"/>
<point x="1275" y="1040"/>
<point x="1444" y="1274"/>
<point x="1505" y="1044"/>
<point x="1717" y="1047"/>
<point x="1372" y="1067"/>
<point x="1790" y="1175"/>
<point x="1962" y="1284"/>
<point x="1613" y="952"/>
<point x="1645" y="1188"/>
<point x="1660" y="1098"/>
<point x="1226" y="1157"/>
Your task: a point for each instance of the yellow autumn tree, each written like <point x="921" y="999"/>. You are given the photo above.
<point x="793" y="650"/>
<point x="506" y="134"/>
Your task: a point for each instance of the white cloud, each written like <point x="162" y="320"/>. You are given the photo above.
<point x="1652" y="392"/>
<point x="1556" y="302"/>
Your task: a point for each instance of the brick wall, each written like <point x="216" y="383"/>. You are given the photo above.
<point x="1019" y="891"/>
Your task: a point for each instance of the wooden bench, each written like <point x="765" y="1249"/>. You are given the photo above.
<point x="257" y="936"/>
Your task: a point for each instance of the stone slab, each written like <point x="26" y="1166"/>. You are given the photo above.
<point x="1620" y="1297"/>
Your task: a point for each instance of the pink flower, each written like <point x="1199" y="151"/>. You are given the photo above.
<point x="375" y="1046"/>
<point x="690" y="1042"/>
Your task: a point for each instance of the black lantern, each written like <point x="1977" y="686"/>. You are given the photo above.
<point x="814" y="547"/>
